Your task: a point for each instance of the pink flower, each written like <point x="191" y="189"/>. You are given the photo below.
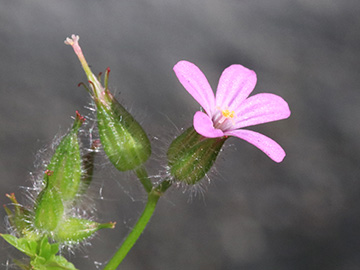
<point x="231" y="109"/>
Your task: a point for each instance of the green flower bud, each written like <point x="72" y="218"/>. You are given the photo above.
<point x="76" y="230"/>
<point x="190" y="156"/>
<point x="124" y="140"/>
<point x="65" y="164"/>
<point x="49" y="209"/>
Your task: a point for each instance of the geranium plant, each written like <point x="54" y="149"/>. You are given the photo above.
<point x="55" y="220"/>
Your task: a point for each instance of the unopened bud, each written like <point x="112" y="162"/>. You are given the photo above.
<point x="65" y="164"/>
<point x="190" y="156"/>
<point x="49" y="209"/>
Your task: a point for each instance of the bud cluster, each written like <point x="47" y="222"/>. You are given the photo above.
<point x="51" y="217"/>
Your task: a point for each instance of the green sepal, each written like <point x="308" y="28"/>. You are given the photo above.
<point x="124" y="140"/>
<point x="54" y="263"/>
<point x="47" y="250"/>
<point x="49" y="209"/>
<point x="19" y="219"/>
<point x="42" y="254"/>
<point x="47" y="259"/>
<point x="27" y="246"/>
<point x="65" y="164"/>
<point x="191" y="156"/>
<point x="75" y="230"/>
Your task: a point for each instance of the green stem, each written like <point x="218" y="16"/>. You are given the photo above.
<point x="134" y="235"/>
<point x="144" y="178"/>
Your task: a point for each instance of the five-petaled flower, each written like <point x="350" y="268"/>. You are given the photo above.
<point x="231" y="109"/>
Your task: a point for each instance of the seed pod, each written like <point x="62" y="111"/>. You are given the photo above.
<point x="190" y="156"/>
<point x="65" y="164"/>
<point x="49" y="209"/>
<point x="124" y="140"/>
<point x="76" y="229"/>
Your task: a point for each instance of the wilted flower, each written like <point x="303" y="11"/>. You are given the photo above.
<point x="227" y="113"/>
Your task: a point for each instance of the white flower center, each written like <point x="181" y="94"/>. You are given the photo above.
<point x="223" y="119"/>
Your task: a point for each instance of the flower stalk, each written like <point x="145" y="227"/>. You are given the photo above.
<point x="129" y="242"/>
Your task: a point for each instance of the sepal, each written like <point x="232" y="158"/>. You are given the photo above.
<point x="124" y="140"/>
<point x="190" y="156"/>
<point x="65" y="164"/>
<point x="49" y="209"/>
<point x="75" y="230"/>
<point x="42" y="254"/>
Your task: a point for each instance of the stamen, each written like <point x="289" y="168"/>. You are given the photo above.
<point x="99" y="76"/>
<point x="48" y="172"/>
<point x="86" y="88"/>
<point x="106" y="78"/>
<point x="12" y="198"/>
<point x="223" y="119"/>
<point x="95" y="145"/>
<point x="80" y="117"/>
<point x="228" y="114"/>
<point x="92" y="84"/>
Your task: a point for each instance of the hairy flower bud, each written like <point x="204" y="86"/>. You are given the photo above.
<point x="49" y="209"/>
<point x="124" y="140"/>
<point x="65" y="164"/>
<point x="76" y="229"/>
<point x="190" y="156"/>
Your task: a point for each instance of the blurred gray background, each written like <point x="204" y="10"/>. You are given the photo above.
<point x="303" y="213"/>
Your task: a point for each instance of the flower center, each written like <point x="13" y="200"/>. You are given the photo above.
<point x="228" y="114"/>
<point x="224" y="119"/>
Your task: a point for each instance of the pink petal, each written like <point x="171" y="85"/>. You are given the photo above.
<point x="235" y="85"/>
<point x="204" y="126"/>
<point x="195" y="82"/>
<point x="261" y="108"/>
<point x="265" y="144"/>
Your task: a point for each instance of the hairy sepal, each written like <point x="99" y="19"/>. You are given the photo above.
<point x="191" y="156"/>
<point x="124" y="140"/>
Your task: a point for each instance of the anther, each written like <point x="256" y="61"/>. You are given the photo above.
<point x="49" y="172"/>
<point x="95" y="144"/>
<point x="92" y="84"/>
<point x="80" y="117"/>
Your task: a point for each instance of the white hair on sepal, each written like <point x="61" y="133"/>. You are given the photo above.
<point x="84" y="206"/>
<point x="160" y="157"/>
